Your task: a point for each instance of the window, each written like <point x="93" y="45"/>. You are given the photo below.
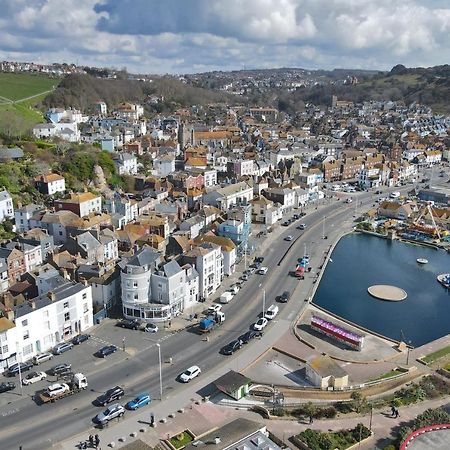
<point x="85" y="308"/>
<point x="66" y="305"/>
<point x="135" y="284"/>
<point x="27" y="349"/>
<point x="47" y="324"/>
<point x="84" y="295"/>
<point x="25" y="322"/>
<point x="66" y="316"/>
<point x="26" y="335"/>
<point x="136" y="296"/>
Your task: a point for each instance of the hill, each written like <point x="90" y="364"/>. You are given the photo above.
<point x="82" y="91"/>
<point x="20" y="97"/>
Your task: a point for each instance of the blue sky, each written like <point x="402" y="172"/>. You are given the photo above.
<point x="184" y="36"/>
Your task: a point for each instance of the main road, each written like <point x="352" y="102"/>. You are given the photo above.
<point x="27" y="425"/>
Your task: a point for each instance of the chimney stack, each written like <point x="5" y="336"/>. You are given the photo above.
<point x="52" y="296"/>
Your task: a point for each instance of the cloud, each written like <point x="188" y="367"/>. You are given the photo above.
<point x="185" y="35"/>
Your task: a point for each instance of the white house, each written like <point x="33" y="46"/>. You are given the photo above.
<point x="368" y="178"/>
<point x="50" y="184"/>
<point x="39" y="324"/>
<point x="6" y="206"/>
<point x="164" y="165"/>
<point x="126" y="164"/>
<point x="210" y="177"/>
<point x="226" y="197"/>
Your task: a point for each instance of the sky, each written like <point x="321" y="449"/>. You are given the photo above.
<point x="188" y="36"/>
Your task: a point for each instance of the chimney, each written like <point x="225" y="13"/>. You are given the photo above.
<point x="10" y="314"/>
<point x="32" y="304"/>
<point x="52" y="296"/>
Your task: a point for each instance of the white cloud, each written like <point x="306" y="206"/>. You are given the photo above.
<point x="184" y="35"/>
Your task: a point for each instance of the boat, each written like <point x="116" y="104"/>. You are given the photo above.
<point x="422" y="260"/>
<point x="444" y="279"/>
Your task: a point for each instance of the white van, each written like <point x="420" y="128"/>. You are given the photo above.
<point x="226" y="297"/>
<point x="271" y="312"/>
<point x="263" y="270"/>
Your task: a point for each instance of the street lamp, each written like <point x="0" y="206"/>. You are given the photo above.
<point x="264" y="302"/>
<point x="408" y="348"/>
<point x="160" y="370"/>
<point x="20" y="369"/>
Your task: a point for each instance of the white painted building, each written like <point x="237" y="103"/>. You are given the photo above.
<point x="50" y="184"/>
<point x="39" y="324"/>
<point x="126" y="164"/>
<point x="210" y="177"/>
<point x="226" y="197"/>
<point x="6" y="206"/>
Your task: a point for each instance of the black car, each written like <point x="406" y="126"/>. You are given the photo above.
<point x="286" y="223"/>
<point x="284" y="297"/>
<point x="24" y="366"/>
<point x="259" y="259"/>
<point x="130" y="324"/>
<point x="80" y="338"/>
<point x="248" y="336"/>
<point x="8" y="386"/>
<point x="107" y="350"/>
<point x="60" y="369"/>
<point x="232" y="347"/>
<point x="111" y="395"/>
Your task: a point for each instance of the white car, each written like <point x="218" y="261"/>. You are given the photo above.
<point x="56" y="389"/>
<point x="110" y="413"/>
<point x="33" y="377"/>
<point x="260" y="324"/>
<point x="151" y="328"/>
<point x="190" y="374"/>
<point x="288" y="238"/>
<point x="263" y="270"/>
<point x="214" y="308"/>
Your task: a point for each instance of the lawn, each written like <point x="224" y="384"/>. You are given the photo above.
<point x="432" y="357"/>
<point x="16" y="86"/>
<point x="389" y="374"/>
<point x="181" y="440"/>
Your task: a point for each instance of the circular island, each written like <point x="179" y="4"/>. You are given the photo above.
<point x="387" y="292"/>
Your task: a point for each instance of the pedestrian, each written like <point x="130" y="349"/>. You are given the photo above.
<point x="91" y="441"/>
<point x="152" y="419"/>
<point x="170" y="323"/>
<point x="311" y="420"/>
<point x="396" y="413"/>
<point x="97" y="441"/>
<point x="392" y="411"/>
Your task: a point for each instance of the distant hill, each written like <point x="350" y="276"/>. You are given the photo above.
<point x="429" y="86"/>
<point x="82" y="91"/>
<point x="21" y="96"/>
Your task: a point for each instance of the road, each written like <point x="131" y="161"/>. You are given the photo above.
<point x="26" y="424"/>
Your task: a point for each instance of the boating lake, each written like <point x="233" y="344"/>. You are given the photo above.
<point x="360" y="261"/>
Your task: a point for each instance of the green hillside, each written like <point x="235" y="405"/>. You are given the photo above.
<point x="21" y="96"/>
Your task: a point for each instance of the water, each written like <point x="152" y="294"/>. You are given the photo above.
<point x="360" y="261"/>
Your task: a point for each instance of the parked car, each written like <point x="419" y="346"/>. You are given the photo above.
<point x="111" y="395"/>
<point x="259" y="259"/>
<point x="284" y="297"/>
<point x="248" y="336"/>
<point x="233" y="346"/>
<point x="110" y="413"/>
<point x="190" y="374"/>
<point x="139" y="401"/>
<point x="214" y="308"/>
<point x="38" y="359"/>
<point x="80" y="338"/>
<point x="296" y="216"/>
<point x="14" y="369"/>
<point x="260" y="324"/>
<point x="34" y="377"/>
<point x="245" y="277"/>
<point x="7" y="386"/>
<point x="288" y="238"/>
<point x="131" y="324"/>
<point x="263" y="270"/>
<point x="60" y="369"/>
<point x="285" y="223"/>
<point x="234" y="289"/>
<point x="151" y="328"/>
<point x="106" y="351"/>
<point x="62" y="348"/>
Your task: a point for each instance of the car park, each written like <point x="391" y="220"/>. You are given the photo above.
<point x="60" y="369"/>
<point x="260" y="324"/>
<point x="106" y="351"/>
<point x="151" y="328"/>
<point x="248" y="336"/>
<point x="62" y="348"/>
<point x="110" y="413"/>
<point x="23" y="367"/>
<point x="34" y="377"/>
<point x="288" y="238"/>
<point x="7" y="386"/>
<point x="131" y="324"/>
<point x="38" y="359"/>
<point x="80" y="338"/>
<point x="232" y="347"/>
<point x="139" y="401"/>
<point x="190" y="374"/>
<point x="111" y="395"/>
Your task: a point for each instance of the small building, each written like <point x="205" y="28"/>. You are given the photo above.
<point x="50" y="184"/>
<point x="324" y="372"/>
<point x="233" y="384"/>
<point x="6" y="206"/>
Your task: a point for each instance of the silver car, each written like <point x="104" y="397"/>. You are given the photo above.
<point x="113" y="411"/>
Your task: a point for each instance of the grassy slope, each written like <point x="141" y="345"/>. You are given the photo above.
<point x="16" y="86"/>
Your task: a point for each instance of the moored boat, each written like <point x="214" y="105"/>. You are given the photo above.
<point x="444" y="279"/>
<point x="422" y="260"/>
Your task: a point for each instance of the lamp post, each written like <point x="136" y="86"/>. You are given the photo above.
<point x="264" y="302"/>
<point x="20" y="369"/>
<point x="323" y="227"/>
<point x="160" y="370"/>
<point x="408" y="348"/>
<point x="371" y="414"/>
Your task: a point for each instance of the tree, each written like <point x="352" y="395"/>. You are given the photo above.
<point x="359" y="401"/>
